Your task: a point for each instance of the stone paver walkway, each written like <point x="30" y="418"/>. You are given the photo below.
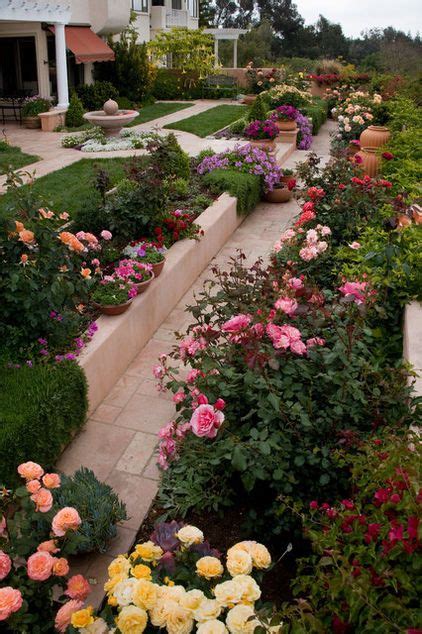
<point x="119" y="439"/>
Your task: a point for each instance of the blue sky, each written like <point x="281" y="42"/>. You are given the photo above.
<point x="357" y="15"/>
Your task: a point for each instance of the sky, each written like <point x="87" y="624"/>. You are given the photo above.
<point x="357" y="15"/>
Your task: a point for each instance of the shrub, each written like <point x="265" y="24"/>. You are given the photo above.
<point x="98" y="506"/>
<point x="365" y="573"/>
<point x="284" y="94"/>
<point x="33" y="106"/>
<point x="166" y="85"/>
<point x="260" y="80"/>
<point x="238" y="126"/>
<point x="246" y="188"/>
<point x="317" y="112"/>
<point x="75" y="112"/>
<point x="168" y="157"/>
<point x="39" y="424"/>
<point x="258" y="110"/>
<point x="93" y="96"/>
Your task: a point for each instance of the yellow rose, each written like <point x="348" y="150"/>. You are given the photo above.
<point x="147" y="551"/>
<point x="239" y="620"/>
<point x="190" y="535"/>
<point x="173" y="593"/>
<point x="112" y="601"/>
<point x="260" y="556"/>
<point x="119" y="566"/>
<point x="208" y="610"/>
<point x="228" y="593"/>
<point x="211" y="627"/>
<point x="132" y="620"/>
<point x="82" y="618"/>
<point x="192" y="600"/>
<point x="112" y="583"/>
<point x="246" y="546"/>
<point x="209" y="567"/>
<point x="141" y="572"/>
<point x="158" y="613"/>
<point x="178" y="620"/>
<point x="124" y="591"/>
<point x="239" y="562"/>
<point x="249" y="589"/>
<point x="145" y="594"/>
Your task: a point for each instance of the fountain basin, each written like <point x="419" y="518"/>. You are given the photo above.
<point x="111" y="123"/>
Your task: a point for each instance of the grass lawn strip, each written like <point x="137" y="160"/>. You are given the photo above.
<point x="157" y="110"/>
<point x="12" y="156"/>
<point x="210" y="121"/>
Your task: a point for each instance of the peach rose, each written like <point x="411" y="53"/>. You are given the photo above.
<point x="66" y="519"/>
<point x="30" y="470"/>
<point x="10" y="602"/>
<point x="19" y="226"/>
<point x="64" y="615"/>
<point x="5" y="565"/>
<point x="33" y="486"/>
<point x="26" y="236"/>
<point x="86" y="273"/>
<point x="48" y="546"/>
<point x="51" y="480"/>
<point x="24" y="258"/>
<point x="78" y="588"/>
<point x="39" y="566"/>
<point x="43" y="500"/>
<point x="60" y="567"/>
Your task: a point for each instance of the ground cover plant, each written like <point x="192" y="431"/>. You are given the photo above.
<point x="210" y="121"/>
<point x="12" y="157"/>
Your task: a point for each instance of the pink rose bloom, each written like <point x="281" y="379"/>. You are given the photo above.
<point x="277" y="247"/>
<point x="308" y="253"/>
<point x="64" y="615"/>
<point x="311" y="235"/>
<point x="33" y="486"/>
<point x="158" y="371"/>
<point x="190" y="346"/>
<point x="106" y="235"/>
<point x="278" y="338"/>
<point x="51" y="480"/>
<point x="258" y="329"/>
<point x="78" y="588"/>
<point x="81" y="235"/>
<point x="315" y="341"/>
<point x="287" y="235"/>
<point x="30" y="470"/>
<point x="286" y="305"/>
<point x="5" y="565"/>
<point x="206" y="421"/>
<point x="295" y="282"/>
<point x="193" y="375"/>
<point x="322" y="246"/>
<point x="236" y="324"/>
<point x="10" y="602"/>
<point x="178" y="397"/>
<point x="2" y="525"/>
<point x="298" y="347"/>
<point x="355" y="245"/>
<point x="354" y="291"/>
<point x="43" y="500"/>
<point x="48" y="546"/>
<point x="325" y="231"/>
<point x="39" y="566"/>
<point x="66" y="519"/>
<point x="60" y="567"/>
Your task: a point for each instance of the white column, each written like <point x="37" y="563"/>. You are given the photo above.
<point x="88" y="78"/>
<point x="234" y="53"/>
<point x="61" y="67"/>
<point x="216" y="52"/>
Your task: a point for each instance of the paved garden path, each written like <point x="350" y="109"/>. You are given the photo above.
<point x="119" y="439"/>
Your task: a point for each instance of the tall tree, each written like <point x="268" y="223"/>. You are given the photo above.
<point x="330" y="38"/>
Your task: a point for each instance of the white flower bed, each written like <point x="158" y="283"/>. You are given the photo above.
<point x="94" y="140"/>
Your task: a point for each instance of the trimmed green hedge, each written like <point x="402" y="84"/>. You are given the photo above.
<point x="40" y="408"/>
<point x="318" y="112"/>
<point x="246" y="187"/>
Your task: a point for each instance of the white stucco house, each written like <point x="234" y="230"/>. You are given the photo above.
<point x="48" y="45"/>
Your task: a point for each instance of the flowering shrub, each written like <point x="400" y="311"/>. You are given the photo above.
<point x="36" y="538"/>
<point x="261" y="130"/>
<point x="285" y="94"/>
<point x="325" y="79"/>
<point x="177" y="225"/>
<point x="177" y="583"/>
<point x="364" y="575"/>
<point x="260" y="80"/>
<point x="245" y="158"/>
<point x="132" y="271"/>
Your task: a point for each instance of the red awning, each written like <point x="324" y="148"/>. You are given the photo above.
<point x="86" y="45"/>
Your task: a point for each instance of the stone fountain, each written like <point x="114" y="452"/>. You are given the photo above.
<point x="110" y="118"/>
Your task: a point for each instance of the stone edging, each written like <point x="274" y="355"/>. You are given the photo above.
<point x="412" y="340"/>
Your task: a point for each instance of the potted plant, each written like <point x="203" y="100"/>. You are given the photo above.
<point x="261" y="133"/>
<point x="32" y="107"/>
<point x="113" y="296"/>
<point x="284" y="118"/>
<point x="147" y="253"/>
<point x="137" y="273"/>
<point x="288" y="178"/>
<point x="281" y="192"/>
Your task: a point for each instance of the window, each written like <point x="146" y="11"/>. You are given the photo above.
<point x="140" y="5"/>
<point x="176" y="5"/>
<point x="193" y="8"/>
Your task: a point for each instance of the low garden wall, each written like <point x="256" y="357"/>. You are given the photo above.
<point x="119" y="339"/>
<point x="412" y="340"/>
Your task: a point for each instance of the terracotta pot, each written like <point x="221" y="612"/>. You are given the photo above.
<point x="286" y="179"/>
<point x="370" y="161"/>
<point x="31" y="122"/>
<point x="263" y="144"/>
<point x="286" y="126"/>
<point x="352" y="149"/>
<point x="142" y="286"/>
<point x="249" y="99"/>
<point x="278" y="195"/>
<point x="374" y="136"/>
<point x="158" y="267"/>
<point x="115" y="309"/>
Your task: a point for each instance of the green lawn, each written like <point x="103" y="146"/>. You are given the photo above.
<point x="156" y="110"/>
<point x="68" y="188"/>
<point x="210" y="121"/>
<point x="11" y="156"/>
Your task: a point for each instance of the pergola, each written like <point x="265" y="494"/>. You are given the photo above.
<point x="226" y="34"/>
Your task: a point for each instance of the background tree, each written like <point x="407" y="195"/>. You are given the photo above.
<point x="191" y="51"/>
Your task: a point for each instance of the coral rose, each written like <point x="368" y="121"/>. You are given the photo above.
<point x="206" y="421"/>
<point x="43" y="500"/>
<point x="19" y="226"/>
<point x="51" y="480"/>
<point x="78" y="588"/>
<point x="49" y="546"/>
<point x="10" y="602"/>
<point x="66" y="519"/>
<point x="63" y="616"/>
<point x="60" y="567"/>
<point x="209" y="567"/>
<point x="190" y="535"/>
<point x="132" y="620"/>
<point x="30" y="470"/>
<point x="26" y="236"/>
<point x="33" y="486"/>
<point x="5" y="565"/>
<point x="39" y="566"/>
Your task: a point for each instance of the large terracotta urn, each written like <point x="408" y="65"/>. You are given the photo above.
<point x="370" y="161"/>
<point x="286" y="126"/>
<point x="374" y="136"/>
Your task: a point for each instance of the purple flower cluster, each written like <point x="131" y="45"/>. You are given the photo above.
<point x="261" y="130"/>
<point x="286" y="113"/>
<point x="245" y="158"/>
<point x="305" y="127"/>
